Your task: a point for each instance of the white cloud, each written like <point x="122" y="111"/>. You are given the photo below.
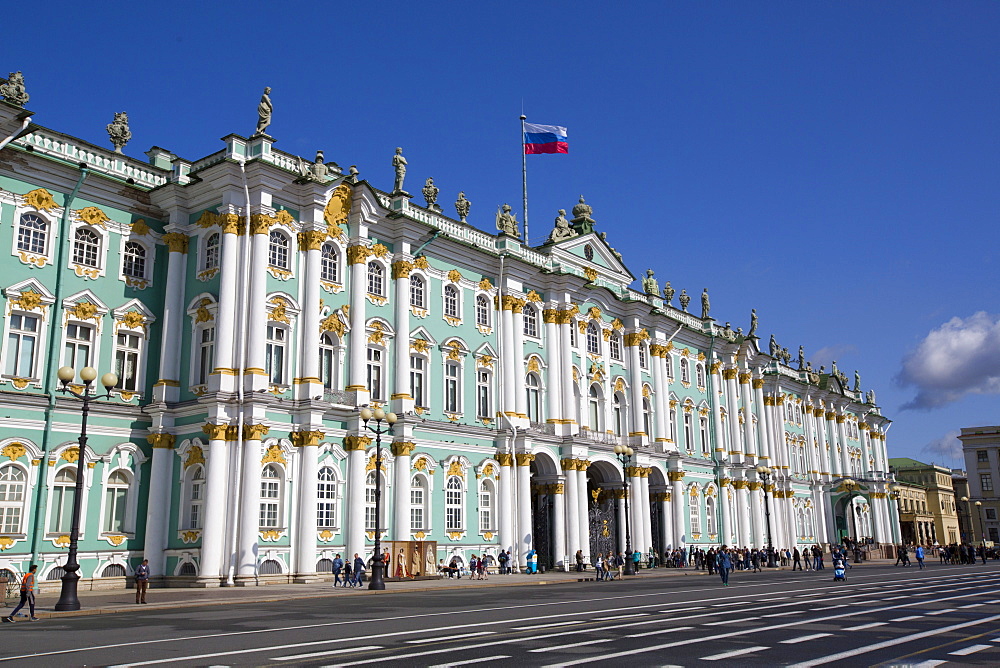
<point x="958" y="358"/>
<point x="947" y="447"/>
<point x="826" y="356"/>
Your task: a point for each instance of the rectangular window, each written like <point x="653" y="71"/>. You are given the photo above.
<point x="416" y="509"/>
<point x="485" y="511"/>
<point x="688" y="432"/>
<point x="451" y="388"/>
<point x="375" y="374"/>
<point x="269" y="503"/>
<point x="991" y="513"/>
<point x="703" y="433"/>
<point x="982" y="455"/>
<point x="484" y="409"/>
<point x="10" y="519"/>
<point x="670" y="367"/>
<point x="62" y="508"/>
<point x="206" y="354"/>
<point x="22" y="339"/>
<point x="114" y="509"/>
<point x="78" y="343"/>
<point x="986" y="482"/>
<point x="127" y="361"/>
<point x="994" y="534"/>
<point x="417" y="378"/>
<point x="274" y="358"/>
<point x="326" y="508"/>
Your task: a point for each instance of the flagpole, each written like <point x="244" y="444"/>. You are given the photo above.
<point x="524" y="181"/>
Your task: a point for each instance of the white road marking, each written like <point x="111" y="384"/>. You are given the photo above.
<point x="972" y="649"/>
<point x="862" y="627"/>
<point x="735" y="652"/>
<point x="469" y="662"/>
<point x="942" y="612"/>
<point x="784" y="614"/>
<point x="891" y="643"/>
<point x="331" y="652"/>
<point x="660" y="631"/>
<point x="546" y="626"/>
<point x="972" y="605"/>
<point x="604" y="619"/>
<point x="895" y="598"/>
<point x="730" y="621"/>
<point x="455" y="637"/>
<point x="930" y="663"/>
<point x="908" y="618"/>
<point x="795" y="641"/>
<point x="830" y="607"/>
<point x="670" y="612"/>
<point x="575" y="644"/>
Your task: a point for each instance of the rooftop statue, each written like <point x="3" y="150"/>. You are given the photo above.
<point x="562" y="229"/>
<point x="264" y="110"/>
<point x="582" y="221"/>
<point x="315" y="171"/>
<point x="352" y="174"/>
<point x="506" y="221"/>
<point x="13" y="91"/>
<point x="649" y="285"/>
<point x="857" y="381"/>
<point x="430" y="192"/>
<point x="462" y="206"/>
<point x="773" y="347"/>
<point x="802" y="357"/>
<point x="118" y="131"/>
<point x="668" y="293"/>
<point x="753" y="323"/>
<point x="684" y="299"/>
<point x="706" y="306"/>
<point x="870" y="397"/>
<point x="399" y="164"/>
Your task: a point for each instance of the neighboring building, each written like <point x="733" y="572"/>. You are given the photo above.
<point x="982" y="462"/>
<point x="960" y="481"/>
<point x="251" y="303"/>
<point x="939" y="501"/>
<point x="916" y="522"/>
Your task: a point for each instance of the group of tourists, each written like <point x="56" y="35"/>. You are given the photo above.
<point x="353" y="572"/>
<point x="606" y="565"/>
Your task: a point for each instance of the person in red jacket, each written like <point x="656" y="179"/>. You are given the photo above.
<point x="29" y="585"/>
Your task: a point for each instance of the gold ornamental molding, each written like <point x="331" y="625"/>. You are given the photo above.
<point x="164" y="441"/>
<point x="311" y="240"/>
<point x="176" y="242"/>
<point x="739" y="484"/>
<point x="524" y="458"/>
<point x="401" y="269"/>
<point x="730" y="374"/>
<point x="505" y="459"/>
<point x="352" y="443"/>
<point x="675" y="476"/>
<point x="403" y="448"/>
<point x="758" y="383"/>
<point x="635" y="338"/>
<point x="337" y="209"/>
<point x="754" y="485"/>
<point x="305" y="438"/>
<point x="274" y="454"/>
<point x="358" y="254"/>
<point x="841" y="419"/>
<point x="830" y="415"/>
<point x="550" y="315"/>
<point x="232" y="223"/>
<point x="744" y="379"/>
<point x="195" y="455"/>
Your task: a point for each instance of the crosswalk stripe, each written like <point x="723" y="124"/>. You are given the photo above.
<point x="735" y="652"/>
<point x="972" y="649"/>
<point x="795" y="641"/>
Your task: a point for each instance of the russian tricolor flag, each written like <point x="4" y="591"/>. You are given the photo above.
<point x="545" y="139"/>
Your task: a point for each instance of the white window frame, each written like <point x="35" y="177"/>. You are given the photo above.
<point x="418" y="292"/>
<point x="699" y="372"/>
<point x="211" y="256"/>
<point x="487" y="506"/>
<point x="643" y="356"/>
<point x="615" y="346"/>
<point x="125" y="351"/>
<point x="710" y="519"/>
<point x="688" y="431"/>
<point x="454" y="511"/>
<point x="148" y="256"/>
<point x="529" y="317"/>
<point x="330" y="265"/>
<point x="533" y="389"/>
<point x="328" y="497"/>
<point x="86" y="248"/>
<point x="685" y="370"/>
<point x="451" y="301"/>
<point x="14" y="507"/>
<point x="66" y="501"/>
<point x="279" y="247"/>
<point x="452" y="387"/>
<point x="593" y="338"/>
<point x="93" y="345"/>
<point x="275" y="342"/>
<point x="418" y="380"/>
<point x="330" y="348"/>
<point x="484" y="311"/>
<point x="694" y="516"/>
<point x="421" y="505"/>
<point x="376" y="279"/>
<point x="375" y="376"/>
<point x="272" y="495"/>
<point x="193" y="516"/>
<point x="370" y="500"/>
<point x="46" y="235"/>
<point x="198" y="360"/>
<point x="595" y="406"/>
<point x="111" y="491"/>
<point x="484" y="394"/>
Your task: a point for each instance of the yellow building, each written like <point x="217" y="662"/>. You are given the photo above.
<point x="934" y="513"/>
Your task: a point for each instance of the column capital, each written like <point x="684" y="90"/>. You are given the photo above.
<point x="232" y="223"/>
<point x="305" y="438"/>
<point x="165" y="441"/>
<point x="358" y="254"/>
<point x="524" y="458"/>
<point x="758" y="383"/>
<point x="675" y="476"/>
<point x="401" y="269"/>
<point x="215" y="432"/>
<point x="744" y="378"/>
<point x="356" y="442"/>
<point x="176" y="242"/>
<point x="403" y="448"/>
<point x="729" y="374"/>
<point x="311" y="240"/>
<point x="505" y="459"/>
<point x="255" y="432"/>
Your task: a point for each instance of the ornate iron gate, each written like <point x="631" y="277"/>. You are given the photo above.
<point x="656" y="524"/>
<point x="603" y="524"/>
<point x="541" y="526"/>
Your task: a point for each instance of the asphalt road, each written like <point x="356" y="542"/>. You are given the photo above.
<point x="881" y="616"/>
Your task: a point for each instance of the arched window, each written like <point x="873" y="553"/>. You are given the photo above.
<point x="685" y="371"/>
<point x="453" y="504"/>
<point x="695" y="516"/>
<point x="418" y="292"/>
<point x="196" y="498"/>
<point x="617" y="413"/>
<point x="376" y="279"/>
<point x="113" y="571"/>
<point x="326" y="499"/>
<point x="418" y="504"/>
<point x="615" y="343"/>
<point x="486" y="514"/>
<point x="134" y="260"/>
<point x="700" y="374"/>
<point x="593" y="339"/>
<point x="116" y="502"/>
<point x="533" y="388"/>
<point x="270" y="497"/>
<point x="483" y="311"/>
<point x="451" y="301"/>
<point x="213" y="245"/>
<point x="62" y="500"/>
<point x="330" y="263"/>
<point x="710" y="515"/>
<point x="32" y="234"/>
<point x="530" y="321"/>
<point x="277" y="255"/>
<point x="86" y="247"/>
<point x="328" y="360"/>
<point x="643" y="356"/>
<point x="594" y="403"/>
<point x="12" y="487"/>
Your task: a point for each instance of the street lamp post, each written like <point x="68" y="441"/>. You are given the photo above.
<point x="982" y="531"/>
<point x="379" y="415"/>
<point x="765" y="472"/>
<point x="968" y="513"/>
<point x="624" y="454"/>
<point x="67" y="597"/>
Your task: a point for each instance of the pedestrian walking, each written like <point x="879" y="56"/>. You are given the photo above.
<point x="338" y="568"/>
<point x="724" y="563"/>
<point x="620" y="563"/>
<point x="29" y="586"/>
<point x="918" y="553"/>
<point x="502" y="558"/>
<point x="579" y="561"/>
<point x="796" y="559"/>
<point x="359" y="571"/>
<point x="348" y="574"/>
<point x="141" y="581"/>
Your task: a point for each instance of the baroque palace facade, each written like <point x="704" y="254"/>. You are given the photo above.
<point x="251" y="303"/>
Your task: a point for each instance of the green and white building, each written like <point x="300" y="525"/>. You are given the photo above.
<point x="251" y="303"/>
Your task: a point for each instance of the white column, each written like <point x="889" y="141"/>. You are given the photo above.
<point x="765" y="437"/>
<point x="721" y="452"/>
<point x="569" y="409"/>
<point x="583" y="507"/>
<point x="835" y="460"/>
<point x="257" y="306"/>
<point x="524" y="533"/>
<point x="680" y="506"/>
<point x="357" y="257"/>
<point x="845" y="453"/>
<point x="158" y="513"/>
<point x="647" y="524"/>
<point x="509" y="357"/>
<point x="825" y="461"/>
<point x="401" y="451"/>
<point x="507" y="537"/>
<point x="726" y="535"/>
<point x="757" y="509"/>
<point x="554" y="373"/>
<point x="569" y="467"/>
<point x="225" y="320"/>
<point x="668" y="522"/>
<point x="167" y="387"/>
<point x="733" y="411"/>
<point x="563" y="557"/>
<point x="635" y="506"/>
<point x="744" y="535"/>
<point x="249" y="520"/>
<point x="661" y="395"/>
<point x="401" y="399"/>
<point x="748" y="439"/>
<point x="620" y="510"/>
<point x="308" y="379"/>
<point x="214" y="529"/>
<point x="517" y="362"/>
<point x="305" y="536"/>
<point x="635" y="425"/>
<point x="355" y="534"/>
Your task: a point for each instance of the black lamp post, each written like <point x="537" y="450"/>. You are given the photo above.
<point x="379" y="415"/>
<point x="624" y="454"/>
<point x="982" y="531"/>
<point x="765" y="472"/>
<point x="968" y="513"/>
<point x="67" y="597"/>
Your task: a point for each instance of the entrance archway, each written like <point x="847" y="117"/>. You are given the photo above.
<point x="605" y="491"/>
<point x="544" y="478"/>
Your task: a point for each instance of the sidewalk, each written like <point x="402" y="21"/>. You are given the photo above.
<point x="123" y="600"/>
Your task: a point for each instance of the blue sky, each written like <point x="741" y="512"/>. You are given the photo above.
<point x="833" y="165"/>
